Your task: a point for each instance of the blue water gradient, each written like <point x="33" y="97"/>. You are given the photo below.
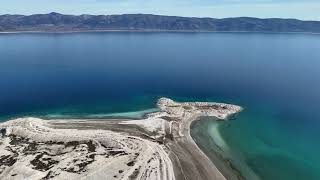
<point x="275" y="77"/>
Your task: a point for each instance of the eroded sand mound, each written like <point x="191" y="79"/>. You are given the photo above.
<point x="34" y="150"/>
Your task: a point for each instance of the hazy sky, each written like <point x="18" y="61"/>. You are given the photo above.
<point x="301" y="9"/>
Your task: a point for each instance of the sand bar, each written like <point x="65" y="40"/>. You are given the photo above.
<point x="157" y="147"/>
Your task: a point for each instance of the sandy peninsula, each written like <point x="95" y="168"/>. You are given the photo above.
<point x="158" y="147"/>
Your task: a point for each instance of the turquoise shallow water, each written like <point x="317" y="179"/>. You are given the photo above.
<point x="257" y="145"/>
<point x="270" y="149"/>
<point x="275" y="77"/>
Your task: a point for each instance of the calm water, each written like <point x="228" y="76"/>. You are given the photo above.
<point x="275" y="77"/>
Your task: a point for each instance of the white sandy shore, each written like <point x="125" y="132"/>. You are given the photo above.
<point x="153" y="148"/>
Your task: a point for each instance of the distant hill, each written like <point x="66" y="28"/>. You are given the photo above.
<point x="60" y="22"/>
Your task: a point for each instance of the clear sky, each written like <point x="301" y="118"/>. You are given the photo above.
<point x="301" y="9"/>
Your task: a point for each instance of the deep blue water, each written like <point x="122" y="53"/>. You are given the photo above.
<point x="275" y="77"/>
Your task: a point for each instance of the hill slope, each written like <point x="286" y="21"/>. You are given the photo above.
<point x="60" y="22"/>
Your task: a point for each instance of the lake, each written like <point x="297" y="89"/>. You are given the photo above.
<point x="275" y="77"/>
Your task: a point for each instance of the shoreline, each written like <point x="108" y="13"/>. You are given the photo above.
<point x="148" y="31"/>
<point x="167" y="131"/>
<point x="213" y="145"/>
<point x="187" y="128"/>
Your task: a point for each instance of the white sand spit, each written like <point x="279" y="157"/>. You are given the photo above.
<point x="158" y="147"/>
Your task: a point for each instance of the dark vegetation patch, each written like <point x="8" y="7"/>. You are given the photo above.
<point x="7" y="160"/>
<point x="91" y="156"/>
<point x="114" y="153"/>
<point x="16" y="140"/>
<point x="81" y="166"/>
<point x="90" y="144"/>
<point x="135" y="173"/>
<point x="72" y="143"/>
<point x="169" y="136"/>
<point x="167" y="118"/>
<point x="107" y="148"/>
<point x="159" y="140"/>
<point x="149" y="160"/>
<point x="50" y="175"/>
<point x="52" y="142"/>
<point x="8" y="148"/>
<point x="31" y="148"/>
<point x="43" y="159"/>
<point x="84" y="164"/>
<point x="131" y="163"/>
<point x="42" y="164"/>
<point x="212" y="106"/>
<point x="3" y="132"/>
<point x="187" y="107"/>
<point x="174" y="106"/>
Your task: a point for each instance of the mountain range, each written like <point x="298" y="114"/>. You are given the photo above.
<point x="55" y="22"/>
